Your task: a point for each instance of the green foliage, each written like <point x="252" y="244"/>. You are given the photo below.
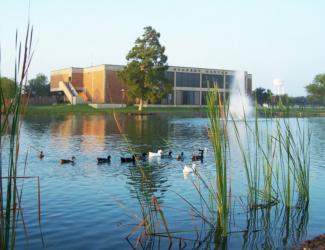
<point x="316" y="89"/>
<point x="298" y="100"/>
<point x="39" y="86"/>
<point x="8" y="87"/>
<point x="145" y="71"/>
<point x="262" y="95"/>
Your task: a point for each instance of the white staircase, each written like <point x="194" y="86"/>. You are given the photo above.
<point x="70" y="92"/>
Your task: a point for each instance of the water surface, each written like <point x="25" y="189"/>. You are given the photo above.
<point x="90" y="206"/>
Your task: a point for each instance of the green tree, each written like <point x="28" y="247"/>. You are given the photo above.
<point x="39" y="86"/>
<point x="8" y="87"/>
<point x="262" y="95"/>
<point x="316" y="89"/>
<point x="146" y="67"/>
<point x="301" y="101"/>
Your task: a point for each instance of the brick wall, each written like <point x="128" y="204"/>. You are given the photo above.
<point x="94" y="85"/>
<point x="114" y="86"/>
<point x="57" y="77"/>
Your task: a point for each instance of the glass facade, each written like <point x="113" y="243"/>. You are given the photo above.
<point x="229" y="81"/>
<point x="248" y="86"/>
<point x="187" y="97"/>
<point x="204" y="98"/>
<point x="198" y="96"/>
<point x="211" y="80"/>
<point x="205" y="95"/>
<point x="167" y="100"/>
<point x="170" y="76"/>
<point x="187" y="80"/>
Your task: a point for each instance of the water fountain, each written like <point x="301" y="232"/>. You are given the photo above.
<point x="240" y="105"/>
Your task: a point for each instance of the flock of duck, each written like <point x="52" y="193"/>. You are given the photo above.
<point x="196" y="156"/>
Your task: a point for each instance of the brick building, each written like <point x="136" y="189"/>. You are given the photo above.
<point x="100" y="84"/>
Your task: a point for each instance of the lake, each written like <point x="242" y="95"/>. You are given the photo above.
<point x="90" y="206"/>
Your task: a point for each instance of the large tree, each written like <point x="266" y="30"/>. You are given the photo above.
<point x="146" y="68"/>
<point x="8" y="87"/>
<point x="39" y="86"/>
<point x="316" y="89"/>
<point x="262" y="95"/>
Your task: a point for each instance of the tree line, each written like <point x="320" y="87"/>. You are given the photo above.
<point x="38" y="86"/>
<point x="315" y="97"/>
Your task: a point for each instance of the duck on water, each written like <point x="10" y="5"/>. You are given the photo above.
<point x="66" y="161"/>
<point x="104" y="160"/>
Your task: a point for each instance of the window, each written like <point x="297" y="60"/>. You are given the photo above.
<point x="170" y="76"/>
<point x="211" y="80"/>
<point x="222" y="96"/>
<point x="187" y="80"/>
<point x="169" y="99"/>
<point x="229" y="81"/>
<point x="188" y="97"/>
<point x="204" y="98"/>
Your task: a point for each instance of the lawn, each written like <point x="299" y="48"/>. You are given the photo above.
<point x="85" y="109"/>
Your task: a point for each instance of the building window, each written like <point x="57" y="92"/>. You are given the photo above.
<point x="188" y="97"/>
<point x="212" y="80"/>
<point x="167" y="100"/>
<point x="229" y="81"/>
<point x="170" y="76"/>
<point x="205" y="97"/>
<point x="188" y="80"/>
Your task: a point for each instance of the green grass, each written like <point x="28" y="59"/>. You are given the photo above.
<point x="86" y="109"/>
<point x="292" y="112"/>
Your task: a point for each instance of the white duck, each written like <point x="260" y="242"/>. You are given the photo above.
<point x="187" y="169"/>
<point x="153" y="154"/>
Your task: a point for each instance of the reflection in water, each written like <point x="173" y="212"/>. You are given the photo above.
<point x="275" y="227"/>
<point x="147" y="181"/>
<point x="69" y="191"/>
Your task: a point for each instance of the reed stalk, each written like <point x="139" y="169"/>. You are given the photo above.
<point x="217" y="114"/>
<point x="10" y="123"/>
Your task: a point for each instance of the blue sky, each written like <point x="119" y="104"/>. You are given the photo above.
<point x="270" y="39"/>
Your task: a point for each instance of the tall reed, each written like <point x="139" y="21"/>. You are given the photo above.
<point x="217" y="114"/>
<point x="10" y="123"/>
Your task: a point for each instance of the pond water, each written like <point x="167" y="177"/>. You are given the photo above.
<point x="90" y="206"/>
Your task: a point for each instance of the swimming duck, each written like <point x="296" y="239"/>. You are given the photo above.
<point x="180" y="157"/>
<point x="41" y="155"/>
<point x="187" y="169"/>
<point x="169" y="155"/>
<point x="64" y="161"/>
<point x="141" y="157"/>
<point x="153" y="154"/>
<point x="128" y="159"/>
<point x="104" y="160"/>
<point x="198" y="157"/>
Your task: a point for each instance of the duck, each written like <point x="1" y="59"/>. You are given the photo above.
<point x="104" y="160"/>
<point x="128" y="159"/>
<point x="198" y="157"/>
<point x="187" y="169"/>
<point x="180" y="157"/>
<point x="41" y="155"/>
<point x="169" y="155"/>
<point x="153" y="154"/>
<point x="141" y="157"/>
<point x="65" y="161"/>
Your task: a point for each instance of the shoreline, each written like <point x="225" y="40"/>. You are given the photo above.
<point x="132" y="110"/>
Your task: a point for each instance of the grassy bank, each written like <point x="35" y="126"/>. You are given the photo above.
<point x="85" y="109"/>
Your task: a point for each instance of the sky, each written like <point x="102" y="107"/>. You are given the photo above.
<point x="278" y="39"/>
